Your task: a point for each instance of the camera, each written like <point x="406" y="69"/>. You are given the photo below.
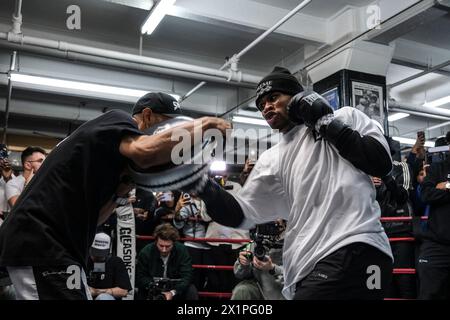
<point x="187" y="197"/>
<point x="266" y="236"/>
<point x="3" y="151"/>
<point x="160" y="285"/>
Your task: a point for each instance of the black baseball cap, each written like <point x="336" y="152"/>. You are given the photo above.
<point x="159" y="102"/>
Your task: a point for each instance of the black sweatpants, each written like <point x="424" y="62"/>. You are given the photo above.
<point x="66" y="282"/>
<point x="357" y="271"/>
<point x="434" y="271"/>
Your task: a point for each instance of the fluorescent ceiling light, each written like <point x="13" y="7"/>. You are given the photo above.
<point x="80" y="86"/>
<point x="438" y="102"/>
<point x="218" y="166"/>
<point x="156" y="15"/>
<point x="259" y="122"/>
<point x="398" y="116"/>
<point x="411" y="142"/>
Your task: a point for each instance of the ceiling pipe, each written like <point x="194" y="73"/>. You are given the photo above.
<point x="420" y="114"/>
<point x="17" y="18"/>
<point x="8" y="98"/>
<point x="68" y="48"/>
<point x="72" y="56"/>
<point x="419" y="110"/>
<point x="233" y="61"/>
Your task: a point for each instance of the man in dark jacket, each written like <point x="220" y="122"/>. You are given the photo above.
<point x="393" y="198"/>
<point x="434" y="257"/>
<point x="168" y="259"/>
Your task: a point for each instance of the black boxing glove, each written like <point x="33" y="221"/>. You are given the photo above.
<point x="221" y="205"/>
<point x="364" y="152"/>
<point x="309" y="107"/>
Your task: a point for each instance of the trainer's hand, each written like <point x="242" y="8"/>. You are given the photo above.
<point x="217" y="123"/>
<point x="308" y="108"/>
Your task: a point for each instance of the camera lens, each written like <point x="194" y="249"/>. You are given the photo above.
<point x="260" y="252"/>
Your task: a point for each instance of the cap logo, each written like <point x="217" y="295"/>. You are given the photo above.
<point x="176" y="105"/>
<point x="263" y="88"/>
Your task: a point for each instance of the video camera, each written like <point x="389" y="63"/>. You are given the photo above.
<point x="438" y="154"/>
<point x="266" y="236"/>
<point x="160" y="285"/>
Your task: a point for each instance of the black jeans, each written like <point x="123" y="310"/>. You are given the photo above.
<point x="356" y="271"/>
<point x="434" y="271"/>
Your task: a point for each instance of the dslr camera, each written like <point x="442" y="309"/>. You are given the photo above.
<point x="160" y="285"/>
<point x="266" y="236"/>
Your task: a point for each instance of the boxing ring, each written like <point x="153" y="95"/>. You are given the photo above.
<point x="227" y="295"/>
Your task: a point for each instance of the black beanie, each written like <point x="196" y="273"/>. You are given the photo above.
<point x="280" y="79"/>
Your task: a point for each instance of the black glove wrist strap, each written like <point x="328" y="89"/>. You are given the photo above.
<point x="333" y="130"/>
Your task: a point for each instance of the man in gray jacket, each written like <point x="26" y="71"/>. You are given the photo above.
<point x="262" y="273"/>
<point x="263" y="279"/>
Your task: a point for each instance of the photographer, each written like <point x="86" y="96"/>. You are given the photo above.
<point x="193" y="220"/>
<point x="167" y="205"/>
<point x="165" y="258"/>
<point x="393" y="197"/>
<point x="262" y="274"/>
<point x="434" y="257"/>
<point x="32" y="158"/>
<point x="5" y="176"/>
<point x="107" y="276"/>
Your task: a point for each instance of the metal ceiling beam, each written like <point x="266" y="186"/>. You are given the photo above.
<point x="140" y="4"/>
<point x="418" y="75"/>
<point x="418" y="66"/>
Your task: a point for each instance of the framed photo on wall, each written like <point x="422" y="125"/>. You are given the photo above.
<point x="368" y="98"/>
